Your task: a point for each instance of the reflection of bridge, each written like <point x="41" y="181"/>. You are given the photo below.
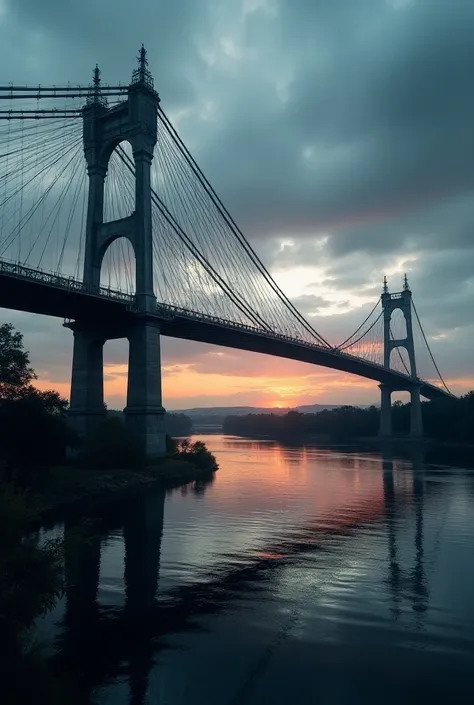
<point x="104" y="642"/>
<point x="190" y="256"/>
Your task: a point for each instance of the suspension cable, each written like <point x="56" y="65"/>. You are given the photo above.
<point x="245" y="308"/>
<point x="397" y="348"/>
<point x="429" y="349"/>
<point x="363" y="334"/>
<point x="343" y="344"/>
<point x="238" y="234"/>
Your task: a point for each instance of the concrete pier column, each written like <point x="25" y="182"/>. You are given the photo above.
<point x="144" y="411"/>
<point x="416" y="419"/>
<point x="87" y="409"/>
<point x="385" y="411"/>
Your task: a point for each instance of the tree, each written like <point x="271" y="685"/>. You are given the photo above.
<point x="34" y="430"/>
<point x="16" y="374"/>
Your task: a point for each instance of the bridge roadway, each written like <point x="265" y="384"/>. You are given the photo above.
<point x="36" y="291"/>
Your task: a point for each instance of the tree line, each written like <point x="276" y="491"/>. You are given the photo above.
<point x="443" y="419"/>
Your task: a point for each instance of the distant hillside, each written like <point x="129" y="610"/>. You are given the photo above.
<point x="216" y="414"/>
<point x="228" y="410"/>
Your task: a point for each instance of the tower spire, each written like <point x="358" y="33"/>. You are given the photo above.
<point x="142" y="75"/>
<point x="95" y="96"/>
<point x="385" y="286"/>
<point x="142" y="63"/>
<point x="405" y="283"/>
<point x="96" y="78"/>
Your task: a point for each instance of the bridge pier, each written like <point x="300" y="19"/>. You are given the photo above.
<point x="385" y="411"/>
<point x="87" y="408"/>
<point x="144" y="412"/>
<point x="416" y="419"/>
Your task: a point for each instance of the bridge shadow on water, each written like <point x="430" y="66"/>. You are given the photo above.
<point x="101" y="643"/>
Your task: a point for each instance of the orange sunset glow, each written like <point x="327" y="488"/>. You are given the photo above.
<point x="182" y="384"/>
<point x="284" y="384"/>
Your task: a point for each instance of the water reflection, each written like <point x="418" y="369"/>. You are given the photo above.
<point x="344" y="510"/>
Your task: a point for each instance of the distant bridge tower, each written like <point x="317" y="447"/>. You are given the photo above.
<point x="391" y="302"/>
<point x="134" y="120"/>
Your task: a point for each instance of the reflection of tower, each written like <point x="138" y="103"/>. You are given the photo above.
<point x="415" y="582"/>
<point x="82" y="550"/>
<point x="390" y="513"/>
<point x="143" y="529"/>
<point x="420" y="591"/>
<point x="390" y="303"/>
<point x="82" y="565"/>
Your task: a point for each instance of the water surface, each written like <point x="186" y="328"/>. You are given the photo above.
<point x="299" y="575"/>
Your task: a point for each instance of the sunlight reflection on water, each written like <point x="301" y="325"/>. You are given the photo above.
<point x="298" y="575"/>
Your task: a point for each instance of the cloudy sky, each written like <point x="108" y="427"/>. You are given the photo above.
<point x="340" y="135"/>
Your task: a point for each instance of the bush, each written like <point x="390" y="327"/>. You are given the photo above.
<point x="34" y="436"/>
<point x="198" y="454"/>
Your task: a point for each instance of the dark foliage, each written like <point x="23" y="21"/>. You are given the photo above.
<point x="197" y="453"/>
<point x="111" y="446"/>
<point x="16" y="374"/>
<point x="34" y="431"/>
<point x="31" y="579"/>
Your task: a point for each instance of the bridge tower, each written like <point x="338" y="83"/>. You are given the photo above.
<point x="391" y="302"/>
<point x="133" y="120"/>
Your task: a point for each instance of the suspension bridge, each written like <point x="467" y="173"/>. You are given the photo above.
<point x="107" y="221"/>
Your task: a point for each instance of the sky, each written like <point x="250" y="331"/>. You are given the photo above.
<point x="339" y="134"/>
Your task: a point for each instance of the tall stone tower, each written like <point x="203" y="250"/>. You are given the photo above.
<point x="391" y="302"/>
<point x="133" y="120"/>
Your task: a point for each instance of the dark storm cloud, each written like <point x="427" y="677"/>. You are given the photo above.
<point x="68" y="38"/>
<point x="380" y="99"/>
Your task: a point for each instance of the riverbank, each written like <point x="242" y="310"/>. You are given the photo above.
<point x="70" y="488"/>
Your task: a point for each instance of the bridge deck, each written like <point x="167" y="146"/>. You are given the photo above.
<point x="33" y="291"/>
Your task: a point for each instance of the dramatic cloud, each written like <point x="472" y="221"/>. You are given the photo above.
<point x="340" y="135"/>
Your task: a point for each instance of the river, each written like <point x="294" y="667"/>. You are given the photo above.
<point x="299" y="575"/>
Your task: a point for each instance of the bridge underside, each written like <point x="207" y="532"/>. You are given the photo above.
<point x="112" y="316"/>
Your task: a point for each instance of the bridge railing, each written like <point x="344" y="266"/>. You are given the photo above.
<point x="167" y="309"/>
<point x="62" y="282"/>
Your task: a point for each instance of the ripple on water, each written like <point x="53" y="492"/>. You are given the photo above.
<point x="342" y="576"/>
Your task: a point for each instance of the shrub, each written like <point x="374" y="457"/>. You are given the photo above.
<point x="198" y="454"/>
